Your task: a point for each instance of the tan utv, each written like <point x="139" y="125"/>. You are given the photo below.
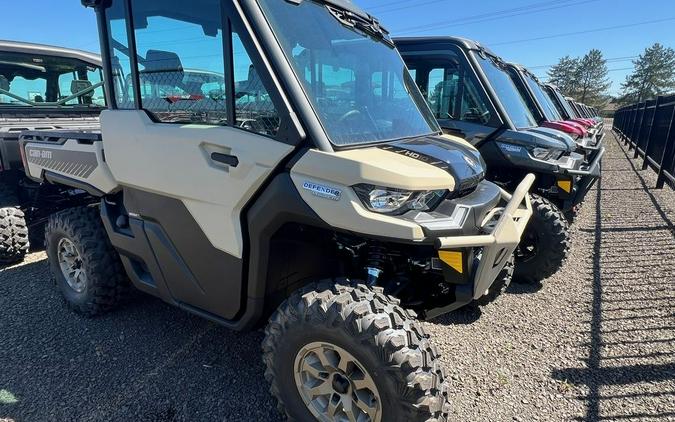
<point x="308" y="187"/>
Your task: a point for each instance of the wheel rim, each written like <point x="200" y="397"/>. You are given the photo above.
<point x="70" y="263"/>
<point x="335" y="386"/>
<point x="528" y="247"/>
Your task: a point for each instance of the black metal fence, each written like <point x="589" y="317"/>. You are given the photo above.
<point x="648" y="128"/>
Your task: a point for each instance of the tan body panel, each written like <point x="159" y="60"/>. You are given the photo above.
<point x="63" y="160"/>
<point x="173" y="160"/>
<point x="342" y="170"/>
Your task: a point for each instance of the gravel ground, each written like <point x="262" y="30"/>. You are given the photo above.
<point x="595" y="342"/>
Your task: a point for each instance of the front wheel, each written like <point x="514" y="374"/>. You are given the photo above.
<point x="501" y="283"/>
<point x="544" y="245"/>
<point x="338" y="351"/>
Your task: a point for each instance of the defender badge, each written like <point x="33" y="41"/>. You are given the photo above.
<point x="323" y="191"/>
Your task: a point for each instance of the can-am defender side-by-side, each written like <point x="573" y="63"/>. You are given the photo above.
<point x="546" y="113"/>
<point x="473" y="96"/>
<point x="567" y="111"/>
<point x="41" y="87"/>
<point x="340" y="212"/>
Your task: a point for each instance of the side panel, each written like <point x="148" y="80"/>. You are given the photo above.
<point x="176" y="161"/>
<point x="193" y="271"/>
<point x="69" y="160"/>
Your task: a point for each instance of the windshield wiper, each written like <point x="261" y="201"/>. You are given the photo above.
<point x="369" y="26"/>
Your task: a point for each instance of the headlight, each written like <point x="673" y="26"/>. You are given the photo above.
<point x="545" y="153"/>
<point x="397" y="201"/>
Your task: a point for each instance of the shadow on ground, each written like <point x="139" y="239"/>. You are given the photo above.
<point x="632" y="342"/>
<point x="145" y="362"/>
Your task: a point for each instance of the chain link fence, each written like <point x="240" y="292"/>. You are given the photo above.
<point x="648" y="128"/>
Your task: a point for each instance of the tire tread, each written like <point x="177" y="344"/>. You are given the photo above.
<point x="378" y="322"/>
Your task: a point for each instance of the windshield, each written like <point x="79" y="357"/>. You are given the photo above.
<point x="560" y="103"/>
<point x="507" y="93"/>
<point x="29" y="80"/>
<point x="356" y="82"/>
<point x="544" y="100"/>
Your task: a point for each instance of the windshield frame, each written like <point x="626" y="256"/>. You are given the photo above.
<point x="548" y="107"/>
<point x="562" y="102"/>
<point x="478" y="54"/>
<point x="415" y="97"/>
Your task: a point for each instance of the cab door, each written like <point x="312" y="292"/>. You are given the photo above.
<point x="193" y="139"/>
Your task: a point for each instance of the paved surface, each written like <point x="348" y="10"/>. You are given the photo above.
<point x="595" y="342"/>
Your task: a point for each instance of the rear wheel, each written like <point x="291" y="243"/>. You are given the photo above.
<point x="338" y="351"/>
<point x="84" y="264"/>
<point x="14" y="243"/>
<point x="545" y="243"/>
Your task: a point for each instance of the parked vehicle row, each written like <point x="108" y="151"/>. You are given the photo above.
<point x="302" y="180"/>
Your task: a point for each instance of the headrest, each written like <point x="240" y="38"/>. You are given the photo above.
<point x="4" y="83"/>
<point x="79" y="86"/>
<point x="157" y="61"/>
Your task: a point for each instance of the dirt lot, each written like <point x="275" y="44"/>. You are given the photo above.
<point x="595" y="342"/>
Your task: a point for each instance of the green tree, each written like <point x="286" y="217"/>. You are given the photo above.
<point x="592" y="78"/>
<point x="654" y="75"/>
<point x="563" y="75"/>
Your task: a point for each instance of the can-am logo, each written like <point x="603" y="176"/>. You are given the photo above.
<point x="323" y="191"/>
<point x="40" y="153"/>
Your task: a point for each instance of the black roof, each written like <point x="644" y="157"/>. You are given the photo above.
<point x="463" y="43"/>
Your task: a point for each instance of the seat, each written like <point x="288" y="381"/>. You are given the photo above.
<point x="161" y="69"/>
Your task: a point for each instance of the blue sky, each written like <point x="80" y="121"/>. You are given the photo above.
<point x="499" y="25"/>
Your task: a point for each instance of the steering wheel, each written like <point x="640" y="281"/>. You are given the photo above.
<point x="350" y="114"/>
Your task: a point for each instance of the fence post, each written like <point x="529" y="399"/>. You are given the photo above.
<point x="668" y="153"/>
<point x="642" y="124"/>
<point x="629" y="135"/>
<point x="635" y="136"/>
<point x="645" y="163"/>
<point x="622" y="124"/>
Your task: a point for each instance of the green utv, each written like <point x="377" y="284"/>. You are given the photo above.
<point x="313" y="192"/>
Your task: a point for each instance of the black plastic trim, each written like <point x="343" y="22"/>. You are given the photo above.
<point x="58" y="179"/>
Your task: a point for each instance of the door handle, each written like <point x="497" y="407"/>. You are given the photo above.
<point x="227" y="159"/>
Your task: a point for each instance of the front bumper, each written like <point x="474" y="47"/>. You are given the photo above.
<point x="582" y="180"/>
<point x="590" y="147"/>
<point x="497" y="246"/>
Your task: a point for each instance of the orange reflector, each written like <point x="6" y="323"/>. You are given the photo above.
<point x="565" y="185"/>
<point x="453" y="259"/>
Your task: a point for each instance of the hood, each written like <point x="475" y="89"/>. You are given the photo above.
<point x="577" y="125"/>
<point x="463" y="162"/>
<point x="566" y="127"/>
<point x="557" y="135"/>
<point x="532" y="138"/>
<point x="585" y="123"/>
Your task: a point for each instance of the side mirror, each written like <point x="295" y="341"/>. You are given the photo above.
<point x="96" y="3"/>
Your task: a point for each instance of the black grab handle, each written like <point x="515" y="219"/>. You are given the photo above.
<point x="230" y="160"/>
